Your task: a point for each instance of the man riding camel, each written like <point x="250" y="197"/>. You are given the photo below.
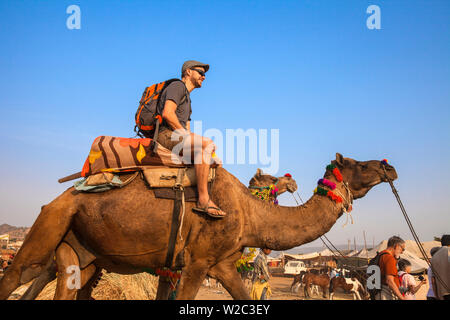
<point x="175" y="130"/>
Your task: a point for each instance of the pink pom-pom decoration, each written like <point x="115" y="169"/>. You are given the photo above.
<point x="327" y="183"/>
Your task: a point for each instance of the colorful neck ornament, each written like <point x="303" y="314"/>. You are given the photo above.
<point x="266" y="193"/>
<point x="330" y="184"/>
<point x="328" y="193"/>
<point x="327" y="183"/>
<point x="336" y="172"/>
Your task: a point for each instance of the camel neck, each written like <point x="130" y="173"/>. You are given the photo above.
<point x="282" y="228"/>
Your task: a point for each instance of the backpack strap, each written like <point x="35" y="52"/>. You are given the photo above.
<point x="167" y="83"/>
<point x="158" y="113"/>
<point x="380" y="255"/>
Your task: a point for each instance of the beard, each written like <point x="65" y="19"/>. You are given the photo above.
<point x="198" y="83"/>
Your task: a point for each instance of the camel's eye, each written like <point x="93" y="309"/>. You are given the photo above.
<point x="364" y="166"/>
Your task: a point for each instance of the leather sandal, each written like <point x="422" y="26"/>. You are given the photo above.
<point x="206" y="208"/>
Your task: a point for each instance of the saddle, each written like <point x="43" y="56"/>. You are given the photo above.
<point x="112" y="159"/>
<point x="161" y="180"/>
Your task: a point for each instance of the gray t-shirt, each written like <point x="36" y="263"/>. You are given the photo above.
<point x="178" y="93"/>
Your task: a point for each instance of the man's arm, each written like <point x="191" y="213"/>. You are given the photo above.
<point x="391" y="283"/>
<point x="266" y="273"/>
<point x="169" y="115"/>
<point x="414" y="289"/>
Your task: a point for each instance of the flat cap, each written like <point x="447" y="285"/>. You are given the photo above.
<point x="192" y="63"/>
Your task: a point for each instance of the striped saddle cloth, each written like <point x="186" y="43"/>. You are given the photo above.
<point x="115" y="154"/>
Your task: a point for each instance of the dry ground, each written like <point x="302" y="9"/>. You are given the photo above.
<point x="143" y="287"/>
<point x="281" y="291"/>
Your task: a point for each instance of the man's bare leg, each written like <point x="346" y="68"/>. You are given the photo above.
<point x="202" y="149"/>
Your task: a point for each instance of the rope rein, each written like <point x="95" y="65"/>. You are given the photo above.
<point x="411" y="228"/>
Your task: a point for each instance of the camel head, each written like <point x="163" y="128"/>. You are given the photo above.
<point x="363" y="175"/>
<point x="285" y="183"/>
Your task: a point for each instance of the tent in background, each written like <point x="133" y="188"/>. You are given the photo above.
<point x="418" y="264"/>
<point x="363" y="253"/>
<point x="410" y="246"/>
<point x="327" y="253"/>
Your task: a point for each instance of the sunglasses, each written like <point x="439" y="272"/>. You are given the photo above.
<point x="202" y="73"/>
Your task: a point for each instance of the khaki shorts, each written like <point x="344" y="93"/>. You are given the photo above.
<point x="386" y="293"/>
<point x="165" y="139"/>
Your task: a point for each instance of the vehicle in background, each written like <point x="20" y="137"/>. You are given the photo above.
<point x="294" y="267"/>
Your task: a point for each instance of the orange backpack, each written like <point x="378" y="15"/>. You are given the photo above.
<point x="148" y="115"/>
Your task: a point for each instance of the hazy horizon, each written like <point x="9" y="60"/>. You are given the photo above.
<point x="311" y="69"/>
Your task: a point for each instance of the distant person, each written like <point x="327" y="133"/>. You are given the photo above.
<point x="390" y="283"/>
<point x="408" y="285"/>
<point x="332" y="275"/>
<point x="441" y="265"/>
<point x="4" y="265"/>
<point x="261" y="276"/>
<point x="430" y="293"/>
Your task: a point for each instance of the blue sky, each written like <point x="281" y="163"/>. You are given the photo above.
<point x="311" y="69"/>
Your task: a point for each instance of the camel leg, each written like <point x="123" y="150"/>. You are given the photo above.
<point x="191" y="280"/>
<point x="70" y="277"/>
<point x="85" y="293"/>
<point x="226" y="272"/>
<point x="47" y="276"/>
<point x="163" y="289"/>
<point x="43" y="238"/>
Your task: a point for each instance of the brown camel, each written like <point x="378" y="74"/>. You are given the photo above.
<point x="284" y="183"/>
<point x="128" y="229"/>
<point x="321" y="280"/>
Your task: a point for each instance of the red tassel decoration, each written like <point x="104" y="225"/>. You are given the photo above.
<point x="337" y="174"/>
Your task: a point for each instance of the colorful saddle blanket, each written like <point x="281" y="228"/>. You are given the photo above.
<point x="114" y="154"/>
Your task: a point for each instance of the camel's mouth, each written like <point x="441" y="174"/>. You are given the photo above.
<point x="291" y="188"/>
<point x="390" y="173"/>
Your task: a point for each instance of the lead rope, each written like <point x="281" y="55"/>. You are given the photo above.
<point x="183" y="211"/>
<point x="411" y="228"/>
<point x="179" y="185"/>
<point x="349" y="203"/>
